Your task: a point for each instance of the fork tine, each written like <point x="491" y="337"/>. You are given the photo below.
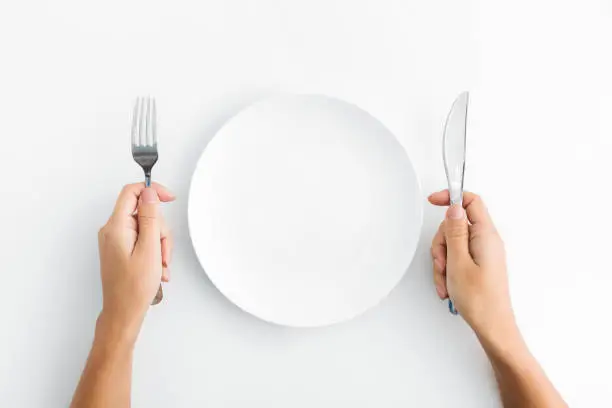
<point x="145" y="118"/>
<point x="154" y="123"/>
<point x="135" y="123"/>
<point x="142" y="127"/>
<point x="149" y="124"/>
<point x="138" y="135"/>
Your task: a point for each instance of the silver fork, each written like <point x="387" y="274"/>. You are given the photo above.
<point x="144" y="147"/>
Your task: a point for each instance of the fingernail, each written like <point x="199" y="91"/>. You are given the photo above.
<point x="456" y="212"/>
<point x="148" y="195"/>
<point x="439" y="291"/>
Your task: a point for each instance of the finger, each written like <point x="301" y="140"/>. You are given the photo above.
<point x="438" y="245"/>
<point x="165" y="275"/>
<point x="127" y="202"/>
<point x="439" y="198"/>
<point x="440" y="279"/>
<point x="149" y="223"/>
<point x="167" y="244"/>
<point x="456" y="234"/>
<point x="474" y="206"/>
<point x="438" y="253"/>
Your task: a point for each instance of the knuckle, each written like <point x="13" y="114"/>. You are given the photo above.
<point x="480" y="230"/>
<point x="126" y="188"/>
<point x="438" y="252"/>
<point x="146" y="221"/>
<point x="476" y="230"/>
<point x="455" y="232"/>
<point x="109" y="231"/>
<point x="438" y="235"/>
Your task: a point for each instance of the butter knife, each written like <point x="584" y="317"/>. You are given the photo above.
<point x="454" y="154"/>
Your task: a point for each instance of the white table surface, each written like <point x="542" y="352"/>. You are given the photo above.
<point x="540" y="142"/>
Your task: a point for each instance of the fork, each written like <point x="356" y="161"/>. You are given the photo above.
<point x="144" y="147"/>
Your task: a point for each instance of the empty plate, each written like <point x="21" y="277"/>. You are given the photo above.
<point x="304" y="210"/>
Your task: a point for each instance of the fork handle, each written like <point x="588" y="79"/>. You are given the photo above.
<point x="159" y="296"/>
<point x="160" y="292"/>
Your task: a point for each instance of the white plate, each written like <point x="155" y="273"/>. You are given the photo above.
<point x="304" y="210"/>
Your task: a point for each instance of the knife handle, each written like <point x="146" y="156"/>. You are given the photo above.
<point x="456" y="197"/>
<point x="451" y="308"/>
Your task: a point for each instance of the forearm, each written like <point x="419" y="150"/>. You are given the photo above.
<point x="106" y="380"/>
<point x="521" y="380"/>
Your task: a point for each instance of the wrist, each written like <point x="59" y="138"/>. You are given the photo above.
<point x="501" y="339"/>
<point x="117" y="331"/>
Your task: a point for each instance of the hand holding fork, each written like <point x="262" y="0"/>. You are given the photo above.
<point x="144" y="148"/>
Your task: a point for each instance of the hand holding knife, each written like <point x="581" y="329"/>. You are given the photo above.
<point x="454" y="142"/>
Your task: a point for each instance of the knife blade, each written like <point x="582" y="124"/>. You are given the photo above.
<point x="454" y="146"/>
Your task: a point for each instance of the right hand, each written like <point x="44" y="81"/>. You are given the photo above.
<point x="470" y="265"/>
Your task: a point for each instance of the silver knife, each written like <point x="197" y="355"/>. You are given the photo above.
<point x="454" y="154"/>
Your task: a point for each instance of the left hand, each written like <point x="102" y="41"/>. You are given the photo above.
<point x="135" y="249"/>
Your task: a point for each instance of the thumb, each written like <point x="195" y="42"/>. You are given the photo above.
<point x="149" y="230"/>
<point x="457" y="235"/>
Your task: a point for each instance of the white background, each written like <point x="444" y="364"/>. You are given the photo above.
<point x="540" y="142"/>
